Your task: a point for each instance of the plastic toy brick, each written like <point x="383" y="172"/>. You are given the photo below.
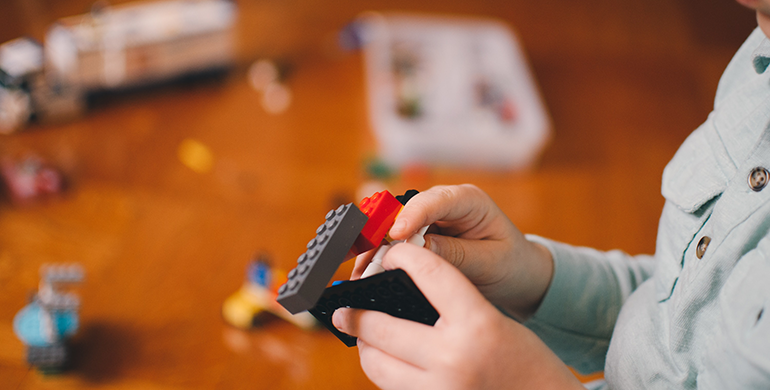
<point x="407" y="196"/>
<point x="50" y="357"/>
<point x="315" y="268"/>
<point x="392" y="292"/>
<point x="381" y="208"/>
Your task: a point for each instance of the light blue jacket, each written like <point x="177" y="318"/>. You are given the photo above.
<point x="686" y="317"/>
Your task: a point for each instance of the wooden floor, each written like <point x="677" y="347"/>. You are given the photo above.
<point x="624" y="81"/>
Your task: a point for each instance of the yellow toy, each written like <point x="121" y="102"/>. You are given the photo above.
<point x="258" y="294"/>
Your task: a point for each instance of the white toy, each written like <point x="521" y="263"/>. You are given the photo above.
<point x="450" y="91"/>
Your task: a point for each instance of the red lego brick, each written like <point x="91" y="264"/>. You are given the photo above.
<point x="382" y="209"/>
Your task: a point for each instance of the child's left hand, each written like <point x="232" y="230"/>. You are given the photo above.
<point x="472" y="345"/>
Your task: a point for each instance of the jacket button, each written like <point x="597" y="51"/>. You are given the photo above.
<point x="758" y="178"/>
<point x="703" y="244"/>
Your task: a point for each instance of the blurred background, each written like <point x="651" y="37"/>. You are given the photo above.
<point x="169" y="190"/>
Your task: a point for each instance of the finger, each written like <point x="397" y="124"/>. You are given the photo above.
<point x="468" y="255"/>
<point x="465" y="204"/>
<point x="406" y="340"/>
<point x="445" y="287"/>
<point x="362" y="261"/>
<point x="388" y="372"/>
<point x="433" y="229"/>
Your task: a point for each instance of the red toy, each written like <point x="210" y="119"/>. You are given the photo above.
<point x="30" y="179"/>
<point x="382" y="209"/>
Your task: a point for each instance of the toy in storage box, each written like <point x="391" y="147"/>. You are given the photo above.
<point x="450" y="91"/>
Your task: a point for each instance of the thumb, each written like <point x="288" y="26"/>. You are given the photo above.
<point x="471" y="257"/>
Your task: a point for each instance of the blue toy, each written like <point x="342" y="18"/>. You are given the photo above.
<point x="46" y="323"/>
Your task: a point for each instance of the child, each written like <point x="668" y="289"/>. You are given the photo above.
<point x="696" y="315"/>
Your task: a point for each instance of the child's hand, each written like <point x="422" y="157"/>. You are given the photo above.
<point x="473" y="234"/>
<point x="472" y="345"/>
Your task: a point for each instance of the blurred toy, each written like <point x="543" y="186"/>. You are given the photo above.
<point x="406" y="81"/>
<point x="195" y="155"/>
<point x="112" y="49"/>
<point x="258" y="294"/>
<point x="490" y="96"/>
<point x="46" y="323"/>
<point x="267" y="78"/>
<point x="30" y="178"/>
<point x="448" y="91"/>
<point x="21" y="61"/>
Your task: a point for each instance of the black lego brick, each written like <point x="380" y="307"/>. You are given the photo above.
<point x="316" y="267"/>
<point x="392" y="292"/>
<point x="407" y="196"/>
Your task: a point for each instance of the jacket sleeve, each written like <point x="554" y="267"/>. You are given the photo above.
<point x="579" y="310"/>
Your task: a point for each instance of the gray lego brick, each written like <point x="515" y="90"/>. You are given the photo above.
<point x="316" y="267"/>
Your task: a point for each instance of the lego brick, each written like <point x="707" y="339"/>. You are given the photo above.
<point x="325" y="253"/>
<point x="52" y="356"/>
<point x="407" y="196"/>
<point x="403" y="199"/>
<point x="62" y="273"/>
<point x="392" y="292"/>
<point x="381" y="208"/>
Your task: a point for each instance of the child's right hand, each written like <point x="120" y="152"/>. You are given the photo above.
<point x="471" y="346"/>
<point x="473" y="234"/>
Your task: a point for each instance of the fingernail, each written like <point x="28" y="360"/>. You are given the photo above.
<point x="337" y="319"/>
<point x="398" y="226"/>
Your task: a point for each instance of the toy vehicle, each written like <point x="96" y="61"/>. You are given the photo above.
<point x="257" y="295"/>
<point x="112" y="49"/>
<point x="46" y="323"/>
